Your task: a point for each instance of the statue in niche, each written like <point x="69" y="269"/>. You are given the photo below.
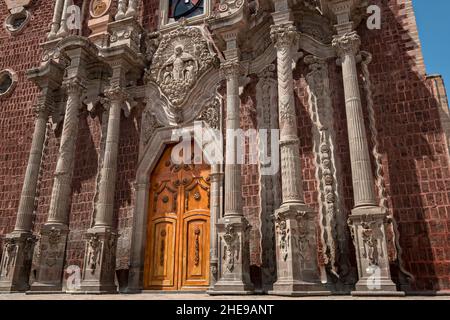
<point x="180" y="67"/>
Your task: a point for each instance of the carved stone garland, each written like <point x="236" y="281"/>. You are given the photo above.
<point x="320" y="109"/>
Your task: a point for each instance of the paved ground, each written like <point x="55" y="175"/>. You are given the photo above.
<point x="190" y="296"/>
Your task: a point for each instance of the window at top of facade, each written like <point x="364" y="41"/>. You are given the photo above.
<point x="175" y="10"/>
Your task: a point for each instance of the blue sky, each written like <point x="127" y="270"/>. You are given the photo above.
<point x="433" y="20"/>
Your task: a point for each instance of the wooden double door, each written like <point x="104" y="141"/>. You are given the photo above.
<point x="178" y="231"/>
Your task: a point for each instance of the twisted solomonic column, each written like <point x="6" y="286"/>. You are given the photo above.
<point x="284" y="37"/>
<point x="367" y="219"/>
<point x="297" y="268"/>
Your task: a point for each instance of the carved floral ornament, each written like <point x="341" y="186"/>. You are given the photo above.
<point x="348" y="43"/>
<point x="283" y="35"/>
<point x="182" y="58"/>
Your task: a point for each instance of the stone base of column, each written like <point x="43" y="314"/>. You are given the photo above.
<point x="16" y="260"/>
<point x="297" y="267"/>
<point x="234" y="274"/>
<point x="368" y="232"/>
<point x="52" y="248"/>
<point x="99" y="261"/>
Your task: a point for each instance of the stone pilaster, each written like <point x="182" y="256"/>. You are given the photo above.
<point x="55" y="230"/>
<point x="294" y="278"/>
<point x="233" y="228"/>
<point x="367" y="218"/>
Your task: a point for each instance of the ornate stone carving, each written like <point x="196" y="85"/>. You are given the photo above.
<point x="303" y="238"/>
<point x="283" y="35"/>
<point x="149" y="125"/>
<point x="284" y="237"/>
<point x="9" y="255"/>
<point x="93" y="252"/>
<point x="183" y="56"/>
<point x="211" y="114"/>
<point x="348" y="43"/>
<point x="229" y="6"/>
<point x="371" y="234"/>
<point x="231" y="249"/>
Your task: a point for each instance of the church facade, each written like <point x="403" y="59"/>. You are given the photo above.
<point x="283" y="147"/>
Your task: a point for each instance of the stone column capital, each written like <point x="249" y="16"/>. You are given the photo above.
<point x="231" y="69"/>
<point x="44" y="106"/>
<point x="283" y="35"/>
<point x="73" y="85"/>
<point x="347" y="43"/>
<point x="116" y="94"/>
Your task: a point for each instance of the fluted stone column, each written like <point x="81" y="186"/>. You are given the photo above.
<point x="297" y="267"/>
<point x="100" y="258"/>
<point x="367" y="218"/>
<point x="233" y="228"/>
<point x="54" y="231"/>
<point x="57" y="14"/>
<point x="17" y="254"/>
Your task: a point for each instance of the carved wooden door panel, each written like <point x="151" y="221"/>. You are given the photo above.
<point x="177" y="253"/>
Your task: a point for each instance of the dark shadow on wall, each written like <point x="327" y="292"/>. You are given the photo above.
<point x="411" y="142"/>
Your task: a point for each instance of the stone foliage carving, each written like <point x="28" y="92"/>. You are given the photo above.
<point x="93" y="252"/>
<point x="183" y="56"/>
<point x="211" y="113"/>
<point x="284" y="236"/>
<point x="372" y="237"/>
<point x="334" y="231"/>
<point x="348" y="43"/>
<point x="231" y="249"/>
<point x="149" y="125"/>
<point x="8" y="258"/>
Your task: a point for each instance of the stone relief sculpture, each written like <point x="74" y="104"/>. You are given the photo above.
<point x="231" y="249"/>
<point x="182" y="58"/>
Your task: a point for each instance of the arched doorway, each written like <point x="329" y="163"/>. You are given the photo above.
<point x="178" y="226"/>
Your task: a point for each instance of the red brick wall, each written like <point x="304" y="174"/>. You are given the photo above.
<point x="19" y="53"/>
<point x="250" y="181"/>
<point x="412" y="142"/>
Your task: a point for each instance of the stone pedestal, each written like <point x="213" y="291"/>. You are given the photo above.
<point x="296" y="243"/>
<point x="52" y="249"/>
<point x="369" y="236"/>
<point x="234" y="270"/>
<point x="16" y="259"/>
<point x="99" y="261"/>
